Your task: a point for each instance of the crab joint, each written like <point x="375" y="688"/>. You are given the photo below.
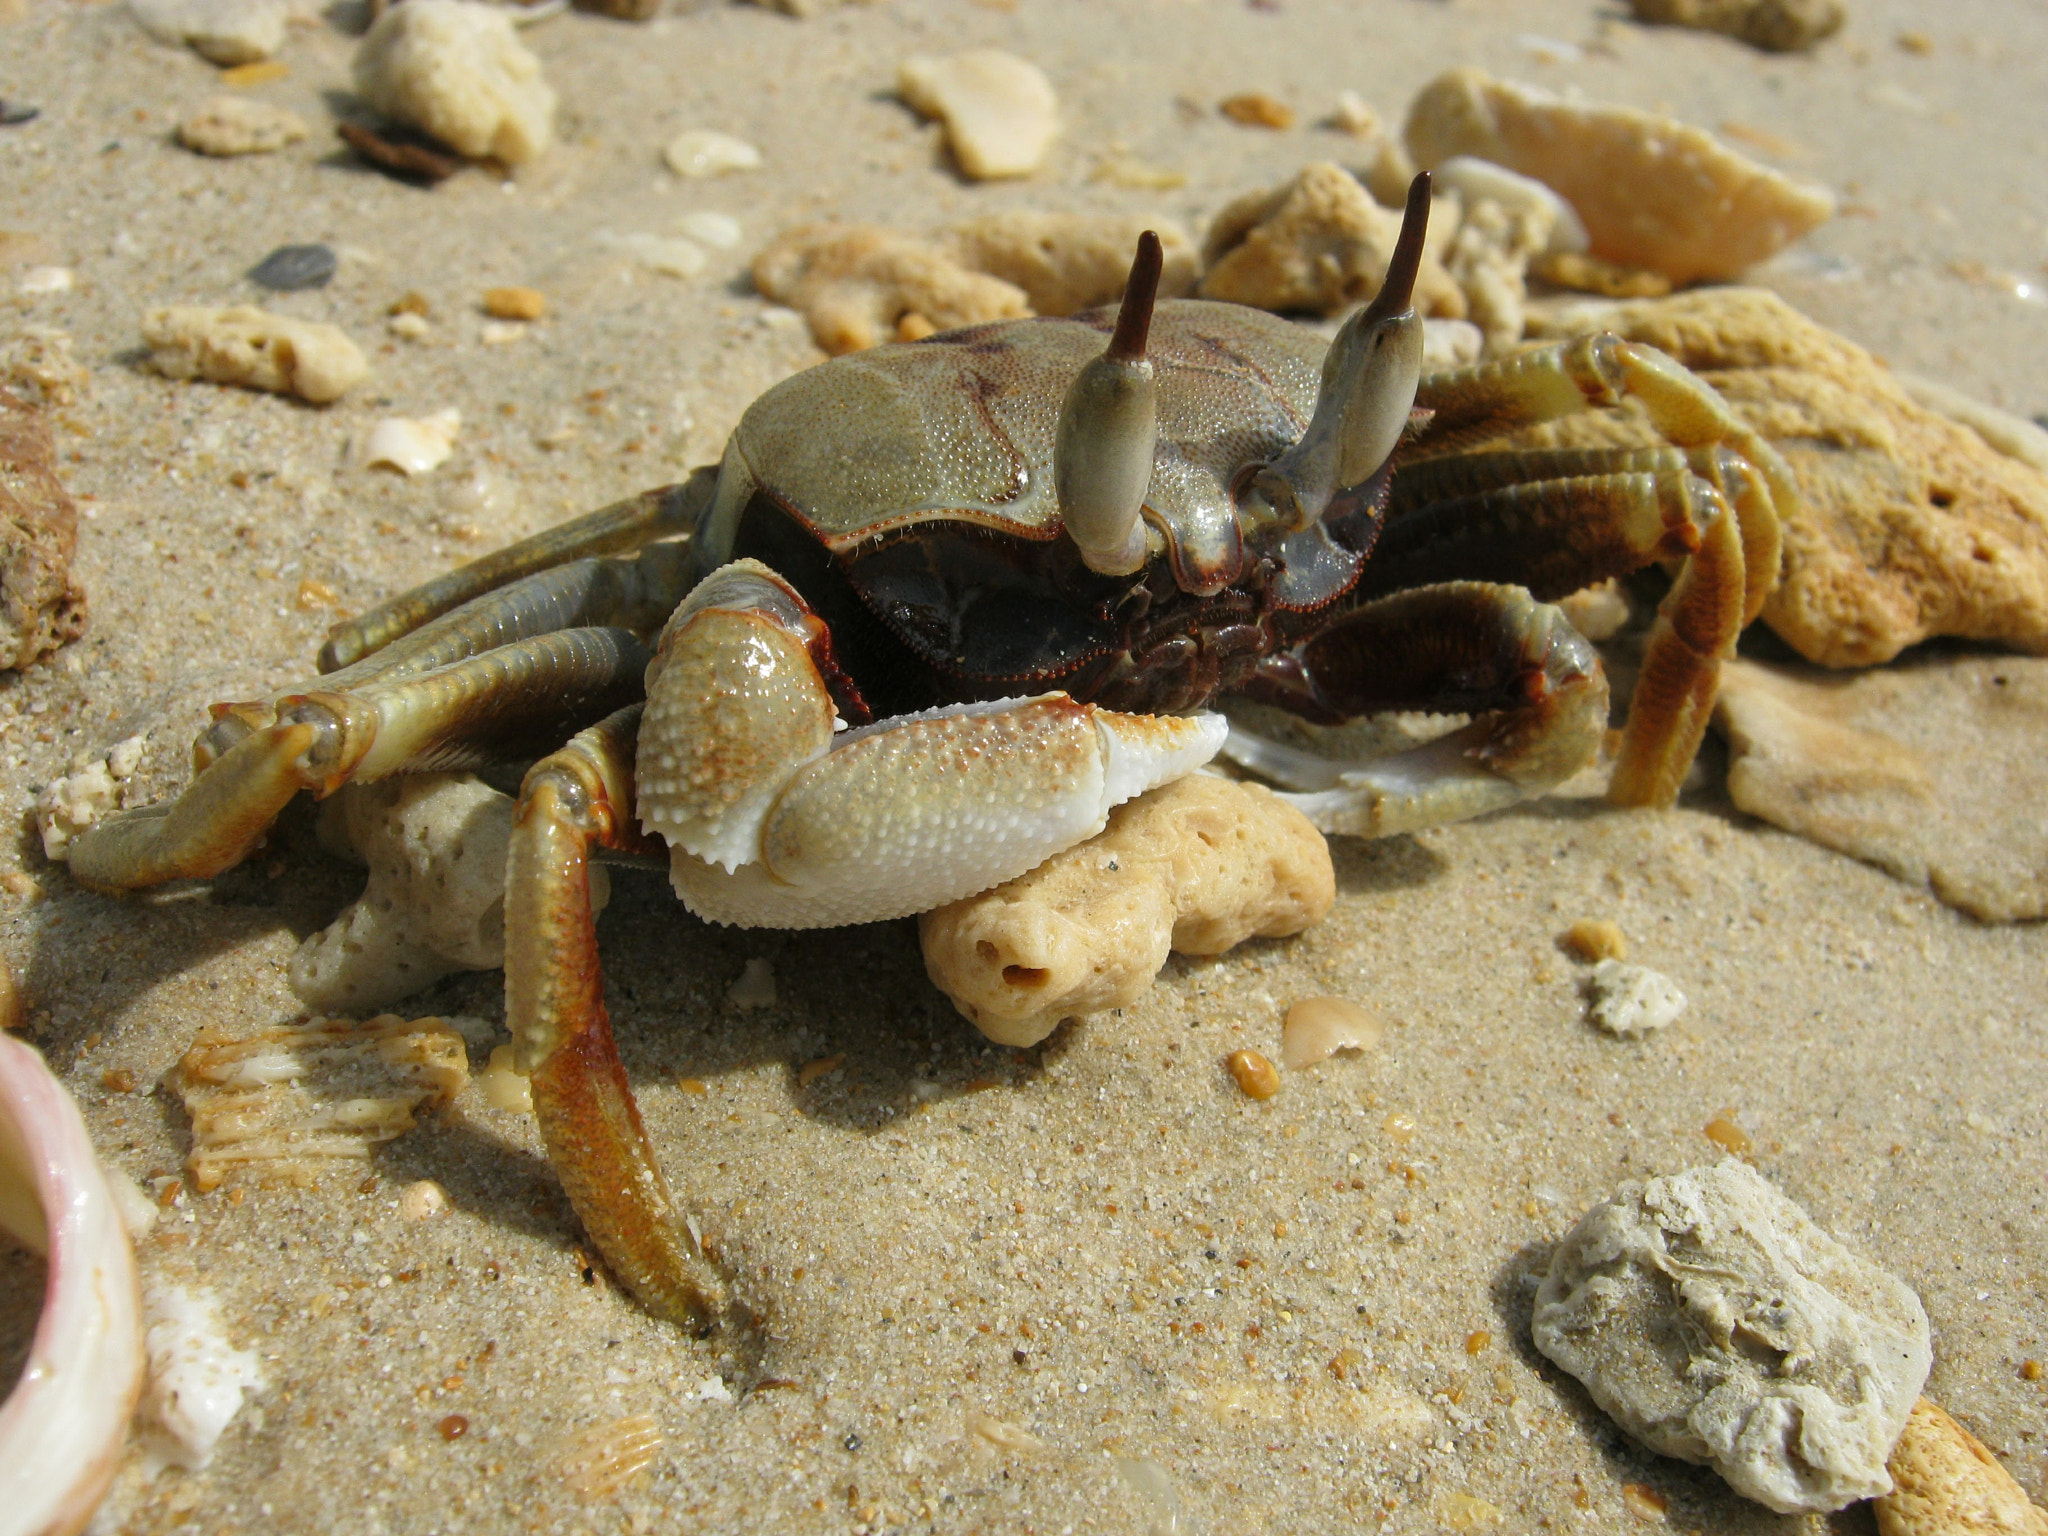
<point x="1108" y="429"/>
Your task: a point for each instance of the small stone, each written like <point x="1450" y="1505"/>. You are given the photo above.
<point x="245" y="346"/>
<point x="1715" y="1322"/>
<point x="38" y="364"/>
<point x="1000" y="112"/>
<point x="1254" y="1074"/>
<point x="42" y="604"/>
<point x="293" y="268"/>
<point x="706" y="152"/>
<point x="37" y="281"/>
<point x="409" y="327"/>
<point x="456" y="71"/>
<point x="856" y="282"/>
<point x="503" y="1086"/>
<point x="1317" y="243"/>
<point x="1652" y="192"/>
<point x="236" y="125"/>
<point x="1776" y="26"/>
<point x="755" y="987"/>
<point x="1946" y="1482"/>
<point x="220" y="31"/>
<point x="422" y="1200"/>
<point x="1631" y="1000"/>
<point x="14" y="113"/>
<point x="670" y="255"/>
<point x="720" y="231"/>
<point x="1066" y="262"/>
<point x="514" y="303"/>
<point x="1593" y="938"/>
<point x="1256" y="109"/>
<point x="95" y="785"/>
<point x="1352" y="115"/>
<point x="413" y="446"/>
<point x="407" y="162"/>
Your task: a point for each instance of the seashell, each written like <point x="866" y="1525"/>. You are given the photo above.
<point x="707" y="152"/>
<point x="412" y="447"/>
<point x="1317" y="1028"/>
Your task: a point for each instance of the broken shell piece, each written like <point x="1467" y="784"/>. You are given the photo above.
<point x="1653" y="192"/>
<point x="235" y="125"/>
<point x="503" y="1085"/>
<point x="1318" y="243"/>
<point x="456" y="71"/>
<point x="1946" y="1482"/>
<point x="247" y="346"/>
<point x="670" y="255"/>
<point x="225" y="32"/>
<point x="196" y="1377"/>
<point x="596" y="1462"/>
<point x="1198" y="865"/>
<point x="1632" y="1000"/>
<point x="720" y="231"/>
<point x="1776" y="26"/>
<point x="1066" y="262"/>
<point x="1000" y="112"/>
<point x="1715" y="1322"/>
<point x="287" y="1105"/>
<point x="412" y="447"/>
<point x="68" y="805"/>
<point x="1317" y="1028"/>
<point x="42" y="604"/>
<point x="63" y="1422"/>
<point x="855" y="283"/>
<point x="707" y="152"/>
<point x="1470" y="179"/>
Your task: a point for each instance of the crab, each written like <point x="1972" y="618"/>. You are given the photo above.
<point x="942" y="605"/>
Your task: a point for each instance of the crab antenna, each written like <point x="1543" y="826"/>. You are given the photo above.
<point x="1367" y="391"/>
<point x="1108" y="428"/>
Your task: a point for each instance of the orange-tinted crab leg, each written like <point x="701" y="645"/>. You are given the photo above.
<point x="580" y="798"/>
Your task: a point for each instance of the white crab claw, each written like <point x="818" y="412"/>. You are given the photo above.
<point x="62" y="1427"/>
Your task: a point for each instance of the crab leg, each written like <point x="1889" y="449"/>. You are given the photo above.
<point x="453" y="717"/>
<point x="581" y="797"/>
<point x="1461" y="647"/>
<point x="624" y="525"/>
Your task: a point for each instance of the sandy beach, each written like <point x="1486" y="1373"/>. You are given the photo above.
<point x="1090" y="1286"/>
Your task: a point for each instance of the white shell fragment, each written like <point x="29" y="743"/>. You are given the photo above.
<point x="196" y="1377"/>
<point x="670" y="255"/>
<point x="38" y="281"/>
<point x="1000" y="112"/>
<point x="1632" y="1000"/>
<point x="412" y="446"/>
<point x="720" y="231"/>
<point x="707" y="152"/>
<point x="67" y="806"/>
<point x="237" y="125"/>
<point x="457" y="71"/>
<point x="1717" y="1323"/>
<point x="1317" y="1028"/>
<point x="247" y="346"/>
<point x="223" y="32"/>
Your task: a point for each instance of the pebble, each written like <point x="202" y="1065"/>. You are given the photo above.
<point x="1594" y="938"/>
<point x="1317" y="1028"/>
<point x="504" y="1086"/>
<point x="857" y="284"/>
<point x="1946" y="1482"/>
<point x="221" y="31"/>
<point x="1255" y="1075"/>
<point x="45" y="603"/>
<point x="413" y="446"/>
<point x="1776" y="26"/>
<point x="256" y="350"/>
<point x="37" y="281"/>
<point x="755" y="987"/>
<point x="1066" y="262"/>
<point x="293" y="268"/>
<point x="1631" y="1000"/>
<point x="422" y="1200"/>
<point x="1256" y="109"/>
<point x="197" y="1378"/>
<point x="236" y="125"/>
<point x="670" y="255"/>
<point x="13" y="114"/>
<point x="702" y="152"/>
<point x="456" y="71"/>
<point x="515" y="303"/>
<point x="720" y="231"/>
<point x="1652" y="192"/>
<point x="1715" y="1322"/>
<point x="1000" y="113"/>
<point x="408" y="326"/>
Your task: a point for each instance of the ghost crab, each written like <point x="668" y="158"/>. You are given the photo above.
<point x="944" y="604"/>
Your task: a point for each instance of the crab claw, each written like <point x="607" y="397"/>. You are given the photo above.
<point x="1367" y="391"/>
<point x="1109" y="425"/>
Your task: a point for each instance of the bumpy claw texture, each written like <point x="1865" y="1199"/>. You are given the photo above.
<point x="1198" y="866"/>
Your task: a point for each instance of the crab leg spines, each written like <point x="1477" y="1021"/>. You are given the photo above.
<point x="1108" y="430"/>
<point x="561" y="1032"/>
<point x="1364" y="399"/>
<point x="624" y="525"/>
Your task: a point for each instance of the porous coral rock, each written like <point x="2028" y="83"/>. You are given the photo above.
<point x="1630" y="1000"/>
<point x="1716" y="1322"/>
<point x="1000" y="112"/>
<point x="1198" y="865"/>
<point x="257" y="350"/>
<point x="236" y="125"/>
<point x="1489" y="261"/>
<point x="1318" y="243"/>
<point x="1653" y="192"/>
<point x="858" y="284"/>
<point x="1912" y="525"/>
<point x="1066" y="262"/>
<point x="42" y="604"/>
<point x="1946" y="1482"/>
<point x="66" y="806"/>
<point x="456" y="70"/>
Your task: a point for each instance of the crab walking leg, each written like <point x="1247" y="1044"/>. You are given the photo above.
<point x="1462" y="647"/>
<point x="774" y="819"/>
<point x="454" y="717"/>
<point x="624" y="525"/>
<point x="581" y="797"/>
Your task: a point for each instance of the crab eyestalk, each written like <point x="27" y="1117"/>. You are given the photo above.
<point x="1367" y="391"/>
<point x="1109" y="425"/>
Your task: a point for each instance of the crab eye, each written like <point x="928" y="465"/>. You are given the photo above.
<point x="1108" y="429"/>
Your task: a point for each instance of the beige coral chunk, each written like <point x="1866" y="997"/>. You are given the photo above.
<point x="42" y="604"/>
<point x="1653" y="192"/>
<point x="1066" y="262"/>
<point x="1776" y="26"/>
<point x="1946" y="1482"/>
<point x="1198" y="865"/>
<point x="285" y="1105"/>
<point x="257" y="350"/>
<point x="1318" y="243"/>
<point x="1001" y="113"/>
<point x="456" y="70"/>
<point x="236" y="125"/>
<point x="1931" y="769"/>
<point x="858" y="284"/>
<point x="1914" y="525"/>
<point x="1489" y="261"/>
